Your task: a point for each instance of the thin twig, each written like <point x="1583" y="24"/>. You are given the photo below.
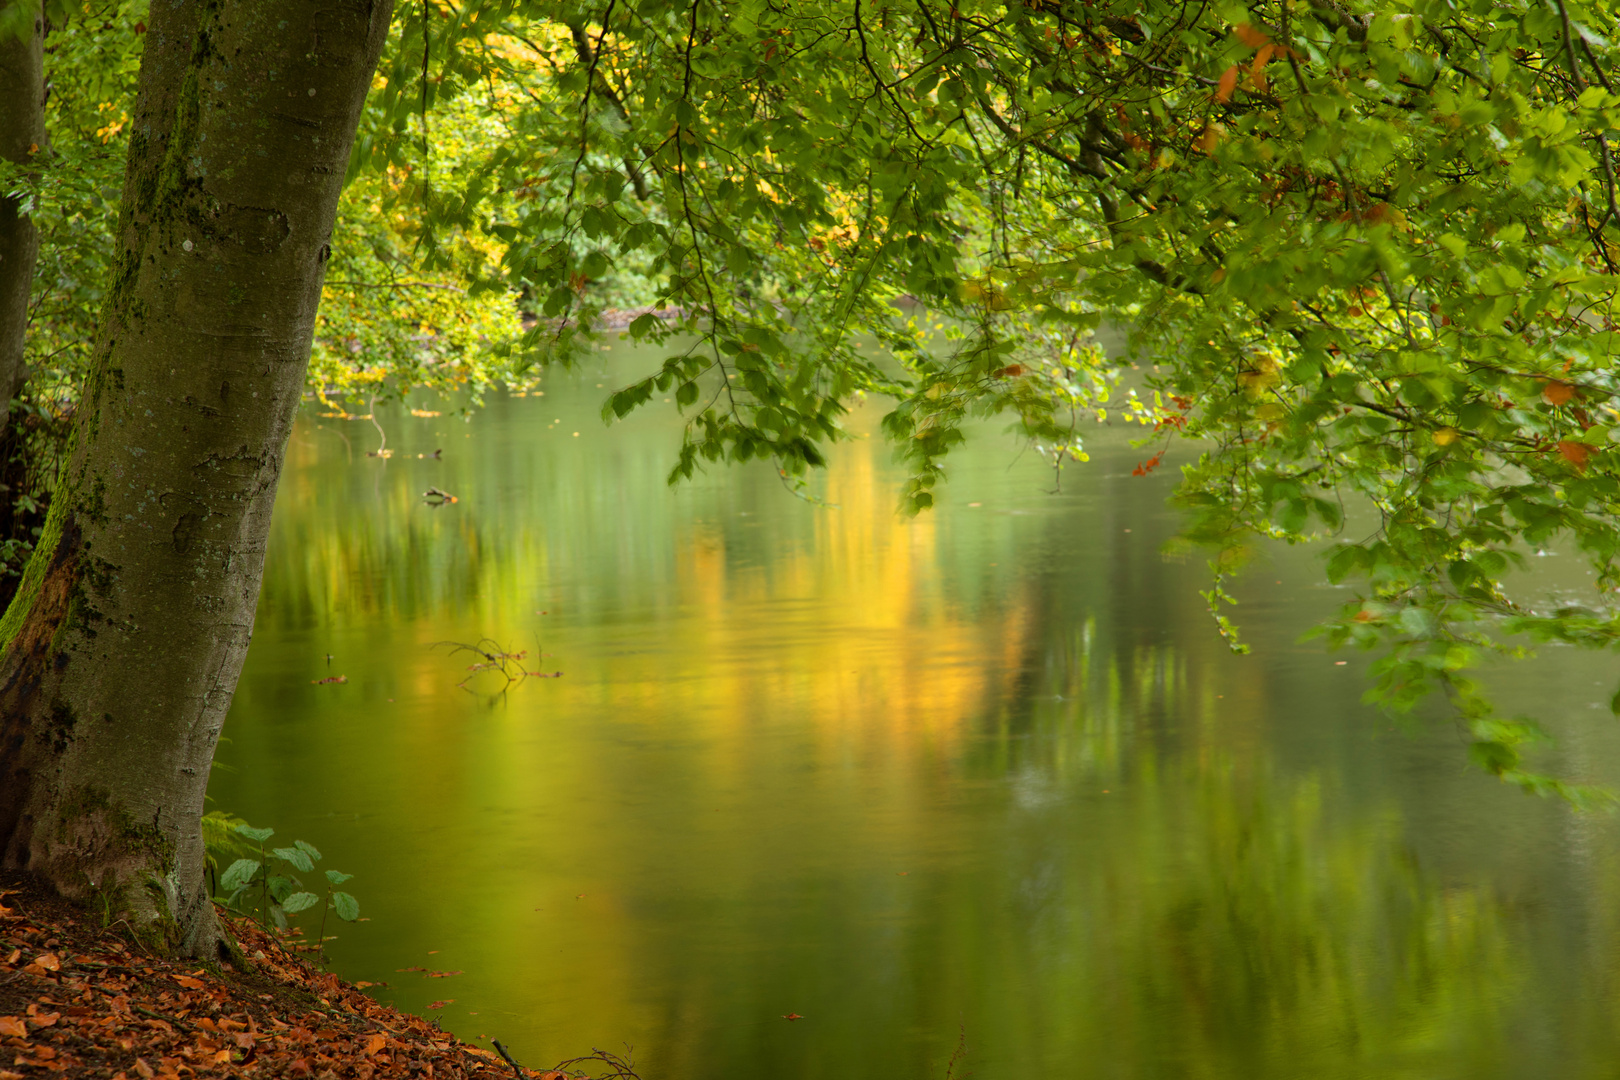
<point x="516" y="1068"/>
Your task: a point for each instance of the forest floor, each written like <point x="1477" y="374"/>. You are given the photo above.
<point x="80" y="1000"/>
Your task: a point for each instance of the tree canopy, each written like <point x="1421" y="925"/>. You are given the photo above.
<point x="1373" y="249"/>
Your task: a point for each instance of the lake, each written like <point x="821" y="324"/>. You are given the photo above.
<point x="980" y="792"/>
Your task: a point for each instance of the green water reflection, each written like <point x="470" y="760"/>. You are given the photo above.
<point x="986" y="777"/>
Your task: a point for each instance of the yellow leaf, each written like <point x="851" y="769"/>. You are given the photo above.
<point x="1446" y="436"/>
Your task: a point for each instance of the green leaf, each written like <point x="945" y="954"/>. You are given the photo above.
<point x="346" y="906"/>
<point x="295" y="858"/>
<point x="337" y="877"/>
<point x="307" y="848"/>
<point x="238" y="874"/>
<point x="280" y="887"/>
<point x="1419" y="622"/>
<point x="299" y="901"/>
<point x="261" y="835"/>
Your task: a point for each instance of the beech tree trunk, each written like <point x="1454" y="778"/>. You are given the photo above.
<point x="22" y="140"/>
<point x="121" y="650"/>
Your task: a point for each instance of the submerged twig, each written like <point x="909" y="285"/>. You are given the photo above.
<point x="498" y="658"/>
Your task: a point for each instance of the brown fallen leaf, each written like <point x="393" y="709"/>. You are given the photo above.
<point x="792" y="1016"/>
<point x="189" y="983"/>
<point x="435" y="1006"/>
<point x="13" y="1025"/>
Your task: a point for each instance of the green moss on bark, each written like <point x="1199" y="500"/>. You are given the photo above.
<point x="50" y="538"/>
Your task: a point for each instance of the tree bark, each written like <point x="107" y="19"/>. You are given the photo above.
<point x="123" y="645"/>
<point x="22" y="140"/>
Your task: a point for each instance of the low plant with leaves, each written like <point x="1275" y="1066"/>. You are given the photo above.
<point x="266" y="883"/>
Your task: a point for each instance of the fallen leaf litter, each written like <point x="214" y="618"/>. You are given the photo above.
<point x="79" y="1001"/>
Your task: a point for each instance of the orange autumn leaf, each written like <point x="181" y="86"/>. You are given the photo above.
<point x="375" y="1043"/>
<point x="1250" y="36"/>
<point x="13" y="1026"/>
<point x="1554" y="392"/>
<point x="189" y="983"/>
<point x="1228" y="83"/>
<point x="1576" y="453"/>
<point x="1261" y="58"/>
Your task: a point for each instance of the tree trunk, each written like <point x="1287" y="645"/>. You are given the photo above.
<point x="22" y="139"/>
<point x="123" y="645"/>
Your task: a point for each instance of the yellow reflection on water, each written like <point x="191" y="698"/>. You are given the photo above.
<point x="982" y="770"/>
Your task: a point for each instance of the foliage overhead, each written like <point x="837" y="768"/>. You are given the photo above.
<point x="1373" y="248"/>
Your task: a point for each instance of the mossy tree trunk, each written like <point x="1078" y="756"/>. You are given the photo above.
<point x="22" y="140"/>
<point x="123" y="645"/>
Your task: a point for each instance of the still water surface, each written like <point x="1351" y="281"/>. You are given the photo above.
<point x="982" y="784"/>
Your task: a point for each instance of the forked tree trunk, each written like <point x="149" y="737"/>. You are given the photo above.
<point x="22" y="140"/>
<point x="122" y="648"/>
